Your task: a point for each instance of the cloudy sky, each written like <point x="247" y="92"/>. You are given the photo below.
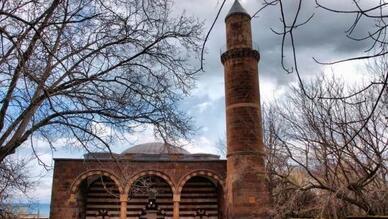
<point x="323" y="38"/>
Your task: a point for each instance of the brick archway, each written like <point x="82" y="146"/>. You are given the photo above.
<point x="78" y="199"/>
<point x="201" y="194"/>
<point x="159" y="182"/>
<point x="149" y="173"/>
<point x="80" y="178"/>
<point x="203" y="173"/>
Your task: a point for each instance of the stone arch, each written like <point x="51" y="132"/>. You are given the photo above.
<point x="204" y="173"/>
<point x="149" y="173"/>
<point x="96" y="172"/>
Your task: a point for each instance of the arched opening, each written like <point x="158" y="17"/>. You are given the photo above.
<point x="201" y="197"/>
<point x="98" y="197"/>
<point x="150" y="197"/>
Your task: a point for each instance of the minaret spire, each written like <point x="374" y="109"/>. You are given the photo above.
<point x="247" y="194"/>
<point x="236" y="8"/>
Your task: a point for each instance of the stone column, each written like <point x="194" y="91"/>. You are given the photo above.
<point x="176" y="199"/>
<point x="123" y="206"/>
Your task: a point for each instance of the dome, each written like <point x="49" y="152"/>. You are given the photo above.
<point x="155" y="148"/>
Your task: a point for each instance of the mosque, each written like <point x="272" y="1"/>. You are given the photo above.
<point x="159" y="180"/>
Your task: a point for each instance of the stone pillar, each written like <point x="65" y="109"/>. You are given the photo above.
<point x="247" y="194"/>
<point x="176" y="199"/>
<point x="123" y="206"/>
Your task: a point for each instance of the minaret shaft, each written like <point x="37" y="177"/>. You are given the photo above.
<point x="247" y="193"/>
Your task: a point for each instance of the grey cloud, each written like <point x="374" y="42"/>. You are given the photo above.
<point x="209" y="115"/>
<point x="323" y="38"/>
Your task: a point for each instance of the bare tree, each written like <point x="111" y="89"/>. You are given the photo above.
<point x="14" y="179"/>
<point x="292" y="20"/>
<point x="313" y="151"/>
<point x="87" y="70"/>
<point x="335" y="135"/>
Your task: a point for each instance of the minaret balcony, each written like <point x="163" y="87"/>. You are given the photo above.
<point x="240" y="53"/>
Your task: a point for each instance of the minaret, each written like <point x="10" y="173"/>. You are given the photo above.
<point x="247" y="194"/>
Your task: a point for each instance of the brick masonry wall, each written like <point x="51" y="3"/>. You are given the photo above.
<point x="238" y="31"/>
<point x="67" y="171"/>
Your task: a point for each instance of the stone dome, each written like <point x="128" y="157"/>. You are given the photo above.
<point x="155" y="148"/>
